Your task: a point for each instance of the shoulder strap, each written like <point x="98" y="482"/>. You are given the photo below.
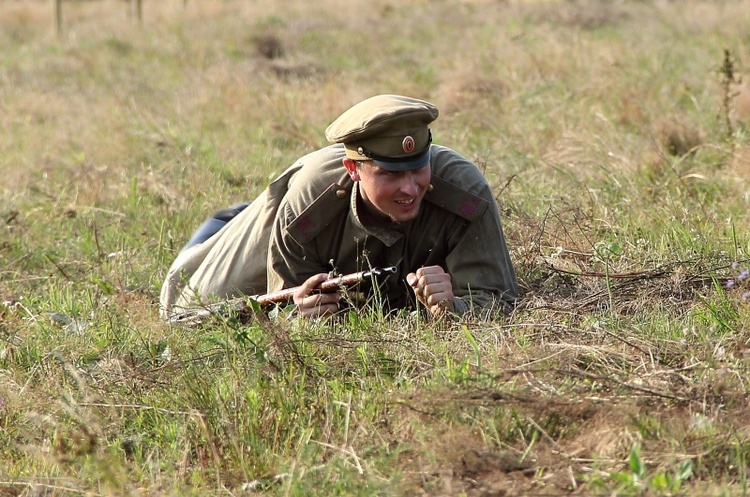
<point x="456" y="200"/>
<point x="334" y="200"/>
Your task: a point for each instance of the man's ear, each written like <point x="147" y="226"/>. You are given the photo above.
<point x="351" y="168"/>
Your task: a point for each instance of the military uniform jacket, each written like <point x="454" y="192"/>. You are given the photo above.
<point x="306" y="223"/>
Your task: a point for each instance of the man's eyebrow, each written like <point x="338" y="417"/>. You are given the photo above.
<point x="375" y="168"/>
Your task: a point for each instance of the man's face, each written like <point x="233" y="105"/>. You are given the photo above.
<point x="395" y="195"/>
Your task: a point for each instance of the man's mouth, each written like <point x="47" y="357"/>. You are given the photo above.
<point x="405" y="202"/>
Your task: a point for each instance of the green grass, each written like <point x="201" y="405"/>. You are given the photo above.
<point x="602" y="127"/>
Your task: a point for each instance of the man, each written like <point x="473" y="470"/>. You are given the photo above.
<point x="381" y="195"/>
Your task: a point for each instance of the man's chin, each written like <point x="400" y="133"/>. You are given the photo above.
<point x="403" y="219"/>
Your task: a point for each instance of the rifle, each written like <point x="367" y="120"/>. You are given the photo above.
<point x="240" y="304"/>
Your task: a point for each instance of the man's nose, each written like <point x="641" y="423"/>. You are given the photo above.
<point x="409" y="183"/>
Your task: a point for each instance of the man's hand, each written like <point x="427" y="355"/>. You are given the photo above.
<point x="433" y="288"/>
<point x="311" y="304"/>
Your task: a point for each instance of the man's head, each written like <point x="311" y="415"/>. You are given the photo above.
<point x="387" y="143"/>
<point x="390" y="130"/>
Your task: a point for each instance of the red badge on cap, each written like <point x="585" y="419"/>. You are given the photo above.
<point x="408" y="144"/>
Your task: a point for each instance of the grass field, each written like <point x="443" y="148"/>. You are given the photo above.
<point x="615" y="135"/>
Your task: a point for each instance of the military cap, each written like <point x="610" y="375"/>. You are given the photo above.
<point x="391" y="130"/>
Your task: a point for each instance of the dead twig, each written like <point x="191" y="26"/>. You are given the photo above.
<point x="589" y="376"/>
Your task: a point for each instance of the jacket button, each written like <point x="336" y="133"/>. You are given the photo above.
<point x="430" y="188"/>
<point x="341" y="193"/>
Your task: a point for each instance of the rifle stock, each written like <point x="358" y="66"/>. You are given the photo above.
<point x="240" y="303"/>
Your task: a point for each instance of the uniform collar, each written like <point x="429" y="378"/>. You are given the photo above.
<point x="389" y="236"/>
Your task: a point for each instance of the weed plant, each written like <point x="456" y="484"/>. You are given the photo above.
<point x="614" y="135"/>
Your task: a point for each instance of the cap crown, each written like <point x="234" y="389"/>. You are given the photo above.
<point x="384" y="127"/>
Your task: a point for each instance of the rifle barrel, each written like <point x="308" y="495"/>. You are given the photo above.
<point x="329" y="285"/>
